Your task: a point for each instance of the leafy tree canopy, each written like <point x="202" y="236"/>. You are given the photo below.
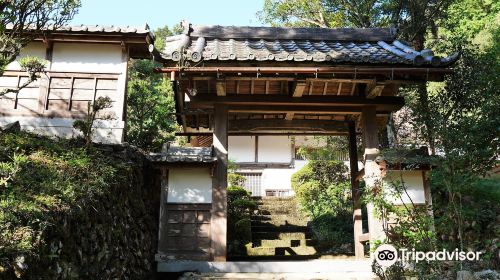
<point x="150" y="119"/>
<point x="412" y="18"/>
<point x="18" y="16"/>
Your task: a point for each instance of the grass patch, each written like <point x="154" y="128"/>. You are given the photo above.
<point x="42" y="178"/>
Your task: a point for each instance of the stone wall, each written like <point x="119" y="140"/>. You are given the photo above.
<point x="110" y="236"/>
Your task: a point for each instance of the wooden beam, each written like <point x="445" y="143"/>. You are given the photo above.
<point x="279" y="124"/>
<point x="269" y="133"/>
<point x="373" y="90"/>
<point x="219" y="194"/>
<point x="288" y="79"/>
<point x="390" y="102"/>
<point x="353" y="89"/>
<point x="310" y="70"/>
<point x="325" y="88"/>
<point x="298" y="88"/>
<point x="256" y="159"/>
<point x="340" y="88"/>
<point x="280" y="109"/>
<point x="221" y="88"/>
<point x="356" y="192"/>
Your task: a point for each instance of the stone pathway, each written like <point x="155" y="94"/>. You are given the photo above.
<point x="276" y="276"/>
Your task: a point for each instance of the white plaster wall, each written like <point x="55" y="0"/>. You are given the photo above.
<point x="412" y="180"/>
<point x="91" y="58"/>
<point x="274" y="149"/>
<point x="106" y="131"/>
<point x="32" y="49"/>
<point x="276" y="178"/>
<point x="78" y="57"/>
<point x="241" y="148"/>
<point x="189" y="185"/>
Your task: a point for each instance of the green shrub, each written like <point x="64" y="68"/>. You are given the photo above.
<point x="323" y="187"/>
<point x="239" y="210"/>
<point x="236" y="192"/>
<point x="235" y="180"/>
<point x="243" y="229"/>
<point x="334" y="229"/>
<point x="323" y="191"/>
<point x="474" y="204"/>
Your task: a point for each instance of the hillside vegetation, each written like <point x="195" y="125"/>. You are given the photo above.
<point x="66" y="213"/>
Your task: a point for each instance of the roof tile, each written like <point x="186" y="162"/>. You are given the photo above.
<point x="370" y="46"/>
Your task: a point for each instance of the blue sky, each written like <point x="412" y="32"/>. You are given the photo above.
<point x="167" y="12"/>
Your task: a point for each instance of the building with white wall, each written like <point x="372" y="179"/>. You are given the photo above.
<point x="268" y="162"/>
<point x="83" y="63"/>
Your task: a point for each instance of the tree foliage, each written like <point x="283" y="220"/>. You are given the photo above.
<point x="23" y="20"/>
<point x="413" y="18"/>
<point x="322" y="187"/>
<point x="150" y="119"/>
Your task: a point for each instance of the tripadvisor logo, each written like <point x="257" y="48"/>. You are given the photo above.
<point x="387" y="255"/>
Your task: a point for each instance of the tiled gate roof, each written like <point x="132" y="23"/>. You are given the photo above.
<point x="346" y="45"/>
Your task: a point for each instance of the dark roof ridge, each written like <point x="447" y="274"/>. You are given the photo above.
<point x="293" y="33"/>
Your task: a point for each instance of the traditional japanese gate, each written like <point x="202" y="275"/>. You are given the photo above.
<point x="289" y="81"/>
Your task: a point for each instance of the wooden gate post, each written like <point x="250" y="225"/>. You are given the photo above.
<point x="162" y="228"/>
<point x="372" y="177"/>
<point x="356" y="194"/>
<point x="219" y="186"/>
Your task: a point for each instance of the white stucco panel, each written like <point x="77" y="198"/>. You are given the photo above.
<point x="241" y="148"/>
<point x="189" y="185"/>
<point x="93" y="58"/>
<point x="413" y="182"/>
<point x="32" y="49"/>
<point x="275" y="149"/>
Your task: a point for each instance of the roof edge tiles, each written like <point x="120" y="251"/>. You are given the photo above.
<point x="97" y="28"/>
<point x="175" y="154"/>
<point x="344" y="45"/>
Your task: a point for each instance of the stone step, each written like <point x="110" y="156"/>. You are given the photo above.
<point x="283" y="243"/>
<point x="270" y="199"/>
<point x="277" y="276"/>
<point x="279" y="223"/>
<point x="277" y="211"/>
<point x="273" y="228"/>
<point x="264" y="267"/>
<point x="281" y="251"/>
<point x="281" y="235"/>
<point x="271" y="205"/>
<point x="322" y="257"/>
<point x="280" y="276"/>
<point x="281" y="219"/>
